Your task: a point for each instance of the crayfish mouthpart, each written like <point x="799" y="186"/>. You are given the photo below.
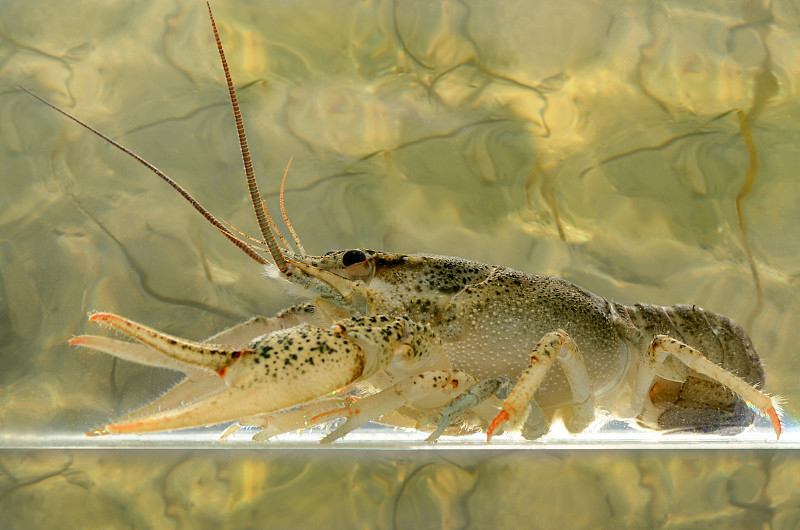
<point x="342" y="285"/>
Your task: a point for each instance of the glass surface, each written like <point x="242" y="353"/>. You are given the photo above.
<point x="595" y="141"/>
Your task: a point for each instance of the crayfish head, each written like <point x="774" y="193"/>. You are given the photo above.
<point x="339" y="277"/>
<point x="354" y="279"/>
<point x="375" y="282"/>
<point x="353" y="264"/>
<point x="325" y="278"/>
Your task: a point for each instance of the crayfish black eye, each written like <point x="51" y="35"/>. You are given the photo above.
<point x="351" y="257"/>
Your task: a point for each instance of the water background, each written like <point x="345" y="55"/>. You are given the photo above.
<point x="596" y="141"/>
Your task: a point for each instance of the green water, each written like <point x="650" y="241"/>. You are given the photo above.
<point x="597" y="141"/>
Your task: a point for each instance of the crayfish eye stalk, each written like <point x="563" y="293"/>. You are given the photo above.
<point x="261" y="216"/>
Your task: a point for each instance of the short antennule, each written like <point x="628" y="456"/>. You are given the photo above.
<point x="283" y="211"/>
<point x="263" y="224"/>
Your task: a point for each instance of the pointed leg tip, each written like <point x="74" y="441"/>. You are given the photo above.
<point x="440" y="428"/>
<point x="433" y="438"/>
<point x="776" y="422"/>
<point x="500" y="419"/>
<point x="234" y="427"/>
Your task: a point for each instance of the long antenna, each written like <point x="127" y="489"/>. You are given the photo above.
<point x="263" y="224"/>
<point x="185" y="194"/>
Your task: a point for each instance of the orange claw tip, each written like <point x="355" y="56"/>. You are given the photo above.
<point x="99" y="317"/>
<point x="84" y="340"/>
<point x="498" y="420"/>
<point x="80" y="340"/>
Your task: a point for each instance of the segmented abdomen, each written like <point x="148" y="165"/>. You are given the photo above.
<point x="719" y="338"/>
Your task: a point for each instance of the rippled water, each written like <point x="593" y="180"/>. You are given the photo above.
<point x="596" y="141"/>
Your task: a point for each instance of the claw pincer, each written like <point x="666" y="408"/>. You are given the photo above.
<point x="273" y="372"/>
